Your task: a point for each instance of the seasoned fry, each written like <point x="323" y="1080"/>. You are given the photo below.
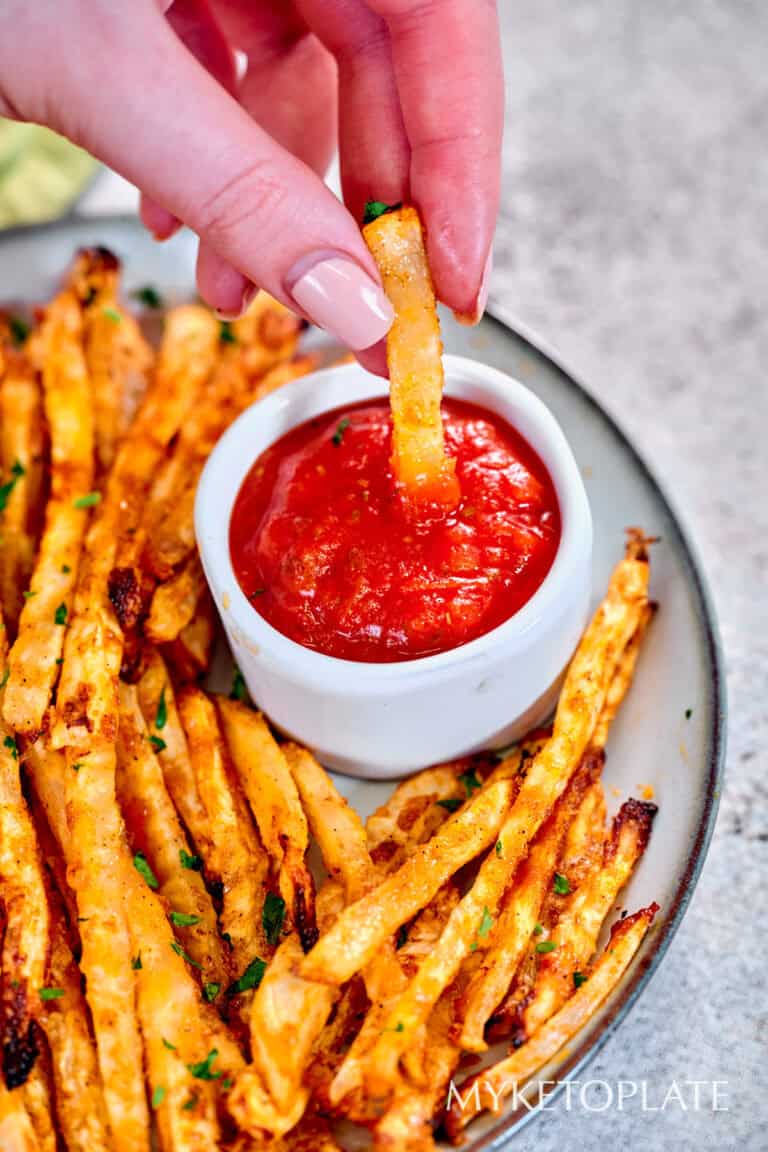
<point x="503" y="1078"/>
<point x="361" y="929"/>
<point x="270" y="790"/>
<point x="174" y="603"/>
<point x="189" y="655"/>
<point x="414" y="356"/>
<point x="66" y="391"/>
<point x="16" y="1131"/>
<point x="622" y="678"/>
<point x="267" y="334"/>
<point x="38" y="1101"/>
<point x="155" y="831"/>
<point x="413" y="813"/>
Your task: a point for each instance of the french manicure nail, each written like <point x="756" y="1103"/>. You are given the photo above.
<point x="340" y="297"/>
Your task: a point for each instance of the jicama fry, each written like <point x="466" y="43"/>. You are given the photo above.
<point x="154" y="830"/>
<point x="274" y="801"/>
<point x="576" y="931"/>
<point x="16" y="1131"/>
<point x="499" y="1081"/>
<point x="414" y="357"/>
<point x="581" y="701"/>
<point x="267" y="334"/>
<point x="362" y="928"/>
<point x="189" y="655"/>
<point x="283" y="374"/>
<point x="38" y="1101"/>
<point x="174" y="602"/>
<point x="21" y="480"/>
<point x="622" y="678"/>
<point x="414" y="811"/>
<point x="66" y="392"/>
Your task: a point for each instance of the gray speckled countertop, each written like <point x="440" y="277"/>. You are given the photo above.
<point x="634" y="238"/>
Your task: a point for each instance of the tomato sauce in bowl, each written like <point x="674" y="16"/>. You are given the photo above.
<point x="329" y="551"/>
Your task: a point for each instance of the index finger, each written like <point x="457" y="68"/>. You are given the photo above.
<point x="448" y="70"/>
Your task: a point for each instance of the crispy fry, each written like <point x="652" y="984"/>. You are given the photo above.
<point x="580" y="704"/>
<point x="413" y="813"/>
<point x="271" y="792"/>
<point x="154" y="830"/>
<point x="576" y="931"/>
<point x="622" y="678"/>
<point x="503" y="1078"/>
<point x="267" y="334"/>
<point x="21" y="480"/>
<point x="174" y="603"/>
<point x="414" y="356"/>
<point x="66" y="391"/>
<point x="362" y="928"/>
<point x="16" y="1131"/>
<point x="38" y="1101"/>
<point x="189" y="655"/>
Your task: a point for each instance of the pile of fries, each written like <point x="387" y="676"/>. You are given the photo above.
<point x="172" y="970"/>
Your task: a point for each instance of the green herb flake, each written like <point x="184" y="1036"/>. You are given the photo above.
<point x="375" y="208"/>
<point x="227" y="1084"/>
<point x="183" y="919"/>
<point x="486" y="924"/>
<point x="161" y="715"/>
<point x="579" y="978"/>
<point x="211" y="991"/>
<point x="189" y="1104"/>
<point x="561" y="885"/>
<point x="76" y="767"/>
<point x="59" y="661"/>
<point x="499" y="847"/>
<point x="451" y="804"/>
<point x="10" y="744"/>
<point x="177" y="948"/>
<point x="148" y="297"/>
<point x="238" y="690"/>
<point x="402" y="936"/>
<point x="65" y="568"/>
<point x="60" y="615"/>
<point x="141" y="865"/>
<point x="158" y="743"/>
<point x="251" y="978"/>
<point x="538" y="930"/>
<point x="399" y="1027"/>
<point x="17" y="471"/>
<point x="341" y="428"/>
<point x="545" y="946"/>
<point x="272" y="917"/>
<point x="4" y="679"/>
<point x="51" y="993"/>
<point x="136" y="963"/>
<point x="167" y="1044"/>
<point x="113" y="315"/>
<point x="90" y="500"/>
<point x="470" y="781"/>
<point x="204" y="1070"/>
<point x="688" y="713"/>
<point x="28" y="593"/>
<point x="158" y="1096"/>
<point x="19" y="330"/>
<point x="226" y="333"/>
<point x="193" y="863"/>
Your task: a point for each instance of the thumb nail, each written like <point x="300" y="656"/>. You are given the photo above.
<point x="337" y="295"/>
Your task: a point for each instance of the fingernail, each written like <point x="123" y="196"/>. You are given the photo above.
<point x="249" y="295"/>
<point x="340" y="297"/>
<point x="472" y="318"/>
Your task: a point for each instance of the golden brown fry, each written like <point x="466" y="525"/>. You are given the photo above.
<point x="622" y="678"/>
<point x="271" y="793"/>
<point x="66" y="391"/>
<point x="413" y="813"/>
<point x="38" y="1101"/>
<point x="414" y="356"/>
<point x="190" y="654"/>
<point x="488" y="1088"/>
<point x="578" y="926"/>
<point x="174" y="603"/>
<point x="361" y="929"/>
<point x="154" y="830"/>
<point x="21" y="480"/>
<point x="284" y="373"/>
<point x="96" y="870"/>
<point x="267" y="334"/>
<point x="16" y="1131"/>
<point x="580" y="704"/>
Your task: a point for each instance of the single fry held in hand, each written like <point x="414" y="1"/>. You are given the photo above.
<point x="202" y="945"/>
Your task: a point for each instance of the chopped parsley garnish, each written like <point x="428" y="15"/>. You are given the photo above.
<point x="538" y="930"/>
<point x="470" y="781"/>
<point x="28" y="593"/>
<point x="402" y="936"/>
<point x="167" y="1044"/>
<point x="60" y="616"/>
<point x="4" y="679"/>
<point x="161" y="716"/>
<point x="272" y="917"/>
<point x="189" y="1104"/>
<point x="10" y="744"/>
<point x="142" y="867"/>
<point x="341" y="428"/>
<point x="451" y="804"/>
<point x="158" y="743"/>
<point x="579" y="978"/>
<point x="51" y="993"/>
<point x="399" y="1027"/>
<point x="226" y="333"/>
<point x="204" y="1070"/>
<point x="148" y="296"/>
<point x="238" y="690"/>
<point x="88" y="501"/>
<point x="251" y="978"/>
<point x="211" y="991"/>
<point x="256" y="592"/>
<point x="136" y="963"/>
<point x="76" y="767"/>
<point x="499" y="847"/>
<point x="19" y="330"/>
<point x="65" y="568"/>
<point x="158" y="1096"/>
<point x="113" y="315"/>
<point x="193" y="863"/>
<point x="375" y="208"/>
<point x="546" y="946"/>
<point x="17" y="471"/>
<point x="177" y="948"/>
<point x="561" y="885"/>
<point x="485" y="924"/>
<point x="688" y="713"/>
<point x="183" y="919"/>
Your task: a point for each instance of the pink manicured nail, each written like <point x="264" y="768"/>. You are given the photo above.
<point x="338" y="296"/>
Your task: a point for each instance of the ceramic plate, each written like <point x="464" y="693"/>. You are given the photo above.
<point x="669" y="735"/>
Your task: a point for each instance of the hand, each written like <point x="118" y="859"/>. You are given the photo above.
<point x="154" y="94"/>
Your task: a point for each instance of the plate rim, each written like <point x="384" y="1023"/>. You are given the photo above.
<point x="632" y="987"/>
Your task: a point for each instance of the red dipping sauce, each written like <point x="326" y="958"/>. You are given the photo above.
<point x="331" y="554"/>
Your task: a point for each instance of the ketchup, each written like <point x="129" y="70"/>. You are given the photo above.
<point x="331" y="553"/>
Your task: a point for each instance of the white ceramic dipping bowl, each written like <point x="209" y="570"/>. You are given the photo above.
<point x="384" y="720"/>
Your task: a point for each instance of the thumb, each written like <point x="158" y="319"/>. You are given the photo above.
<point x="135" y="97"/>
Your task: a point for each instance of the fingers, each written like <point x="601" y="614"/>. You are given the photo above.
<point x="258" y="208"/>
<point x="226" y="289"/>
<point x="447" y="64"/>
